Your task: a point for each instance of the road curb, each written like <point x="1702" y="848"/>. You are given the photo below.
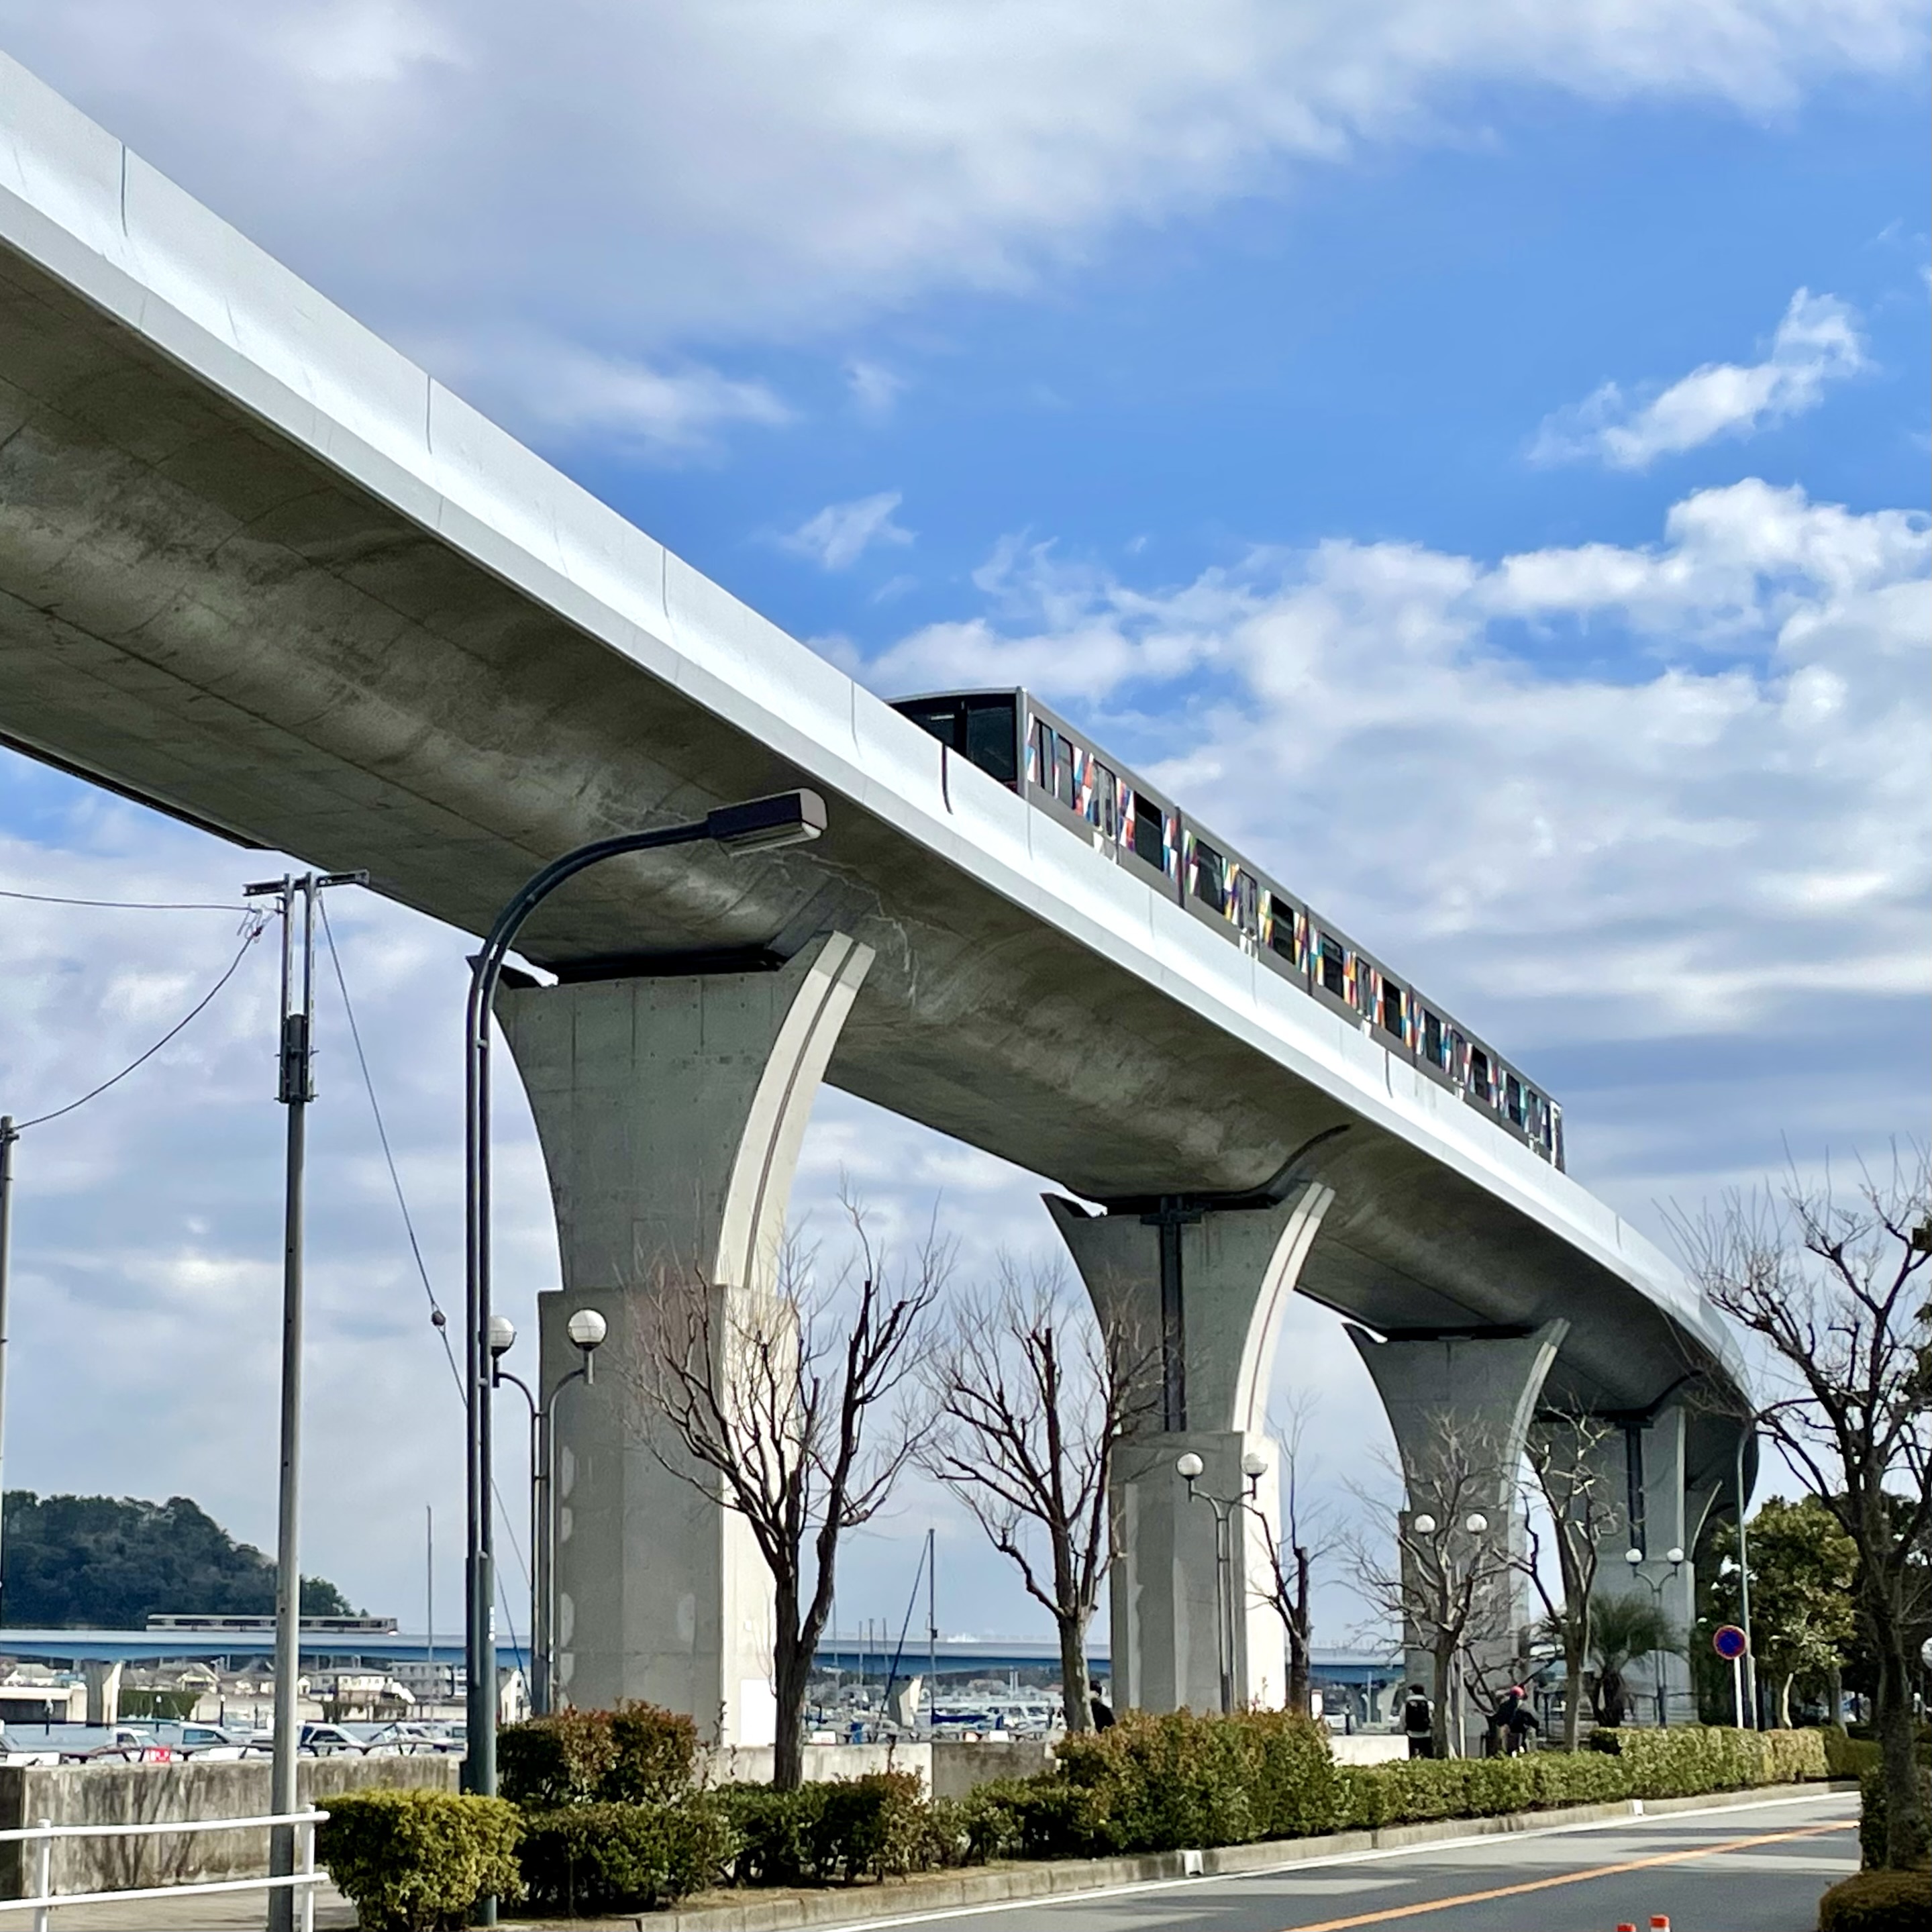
<point x="943" y="1892"/>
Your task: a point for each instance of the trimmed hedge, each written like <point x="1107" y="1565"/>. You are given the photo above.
<point x="636" y="1754"/>
<point x="418" y="1860"/>
<point x="1696" y="1758"/>
<point x="1878" y="1901"/>
<point x="598" y="1859"/>
<point x="878" y="1826"/>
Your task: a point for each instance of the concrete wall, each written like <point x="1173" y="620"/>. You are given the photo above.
<point x="949" y="1768"/>
<point x="105" y="1794"/>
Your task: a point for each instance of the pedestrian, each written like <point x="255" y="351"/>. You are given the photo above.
<point x="1513" y="1721"/>
<point x="1102" y="1710"/>
<point x="1418" y="1722"/>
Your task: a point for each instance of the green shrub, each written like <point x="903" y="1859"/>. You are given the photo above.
<point x="588" y="1859"/>
<point x="1294" y="1784"/>
<point x="872" y="1826"/>
<point x="1848" y="1756"/>
<point x="1878" y="1901"/>
<point x="1164" y="1783"/>
<point x="561" y="1759"/>
<point x="656" y="1750"/>
<point x="777" y="1832"/>
<point x="418" y="1860"/>
<point x="1044" y="1816"/>
<point x="629" y="1756"/>
<point x="1872" y="1831"/>
<point x="1692" y="1759"/>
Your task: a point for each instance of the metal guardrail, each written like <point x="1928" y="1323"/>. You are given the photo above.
<point x="43" y="1902"/>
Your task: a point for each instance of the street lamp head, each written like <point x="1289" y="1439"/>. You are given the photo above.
<point x="1423" y="1524"/>
<point x="502" y="1335"/>
<point x="1254" y="1464"/>
<point x="1188" y="1466"/>
<point x="764" y="824"/>
<point x="1475" y="1523"/>
<point x="1673" y="1555"/>
<point x="1632" y="1557"/>
<point x="586" y="1329"/>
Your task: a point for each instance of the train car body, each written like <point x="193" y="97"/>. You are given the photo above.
<point x="1013" y="738"/>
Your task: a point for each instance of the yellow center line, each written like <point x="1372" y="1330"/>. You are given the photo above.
<point x="1569" y="1878"/>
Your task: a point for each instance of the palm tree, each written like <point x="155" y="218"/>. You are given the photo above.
<point x="1622" y="1630"/>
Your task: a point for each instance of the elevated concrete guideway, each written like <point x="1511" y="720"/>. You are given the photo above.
<point x="259" y="570"/>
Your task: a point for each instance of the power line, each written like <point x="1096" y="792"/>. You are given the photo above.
<point x="250" y="935"/>
<point x="439" y="1321"/>
<point x="123" y="905"/>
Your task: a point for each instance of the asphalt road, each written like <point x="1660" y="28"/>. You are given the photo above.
<point x="1752" y="1868"/>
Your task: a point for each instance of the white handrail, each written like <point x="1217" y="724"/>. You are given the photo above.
<point x="46" y="1830"/>
<point x="43" y="1901"/>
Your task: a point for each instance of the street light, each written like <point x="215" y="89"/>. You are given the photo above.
<point x="1674" y="1557"/>
<point x="1188" y="1467"/>
<point x="758" y="825"/>
<point x="586" y="1329"/>
<point x="1476" y="1523"/>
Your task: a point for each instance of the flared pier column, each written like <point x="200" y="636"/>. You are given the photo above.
<point x="671" y="1111"/>
<point x="1214" y="1286"/>
<point x="1460" y="1406"/>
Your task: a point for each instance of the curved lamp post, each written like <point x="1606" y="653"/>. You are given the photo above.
<point x="759" y="825"/>
<point x="586" y="1329"/>
<point x="1188" y="1468"/>
<point x="1674" y="1557"/>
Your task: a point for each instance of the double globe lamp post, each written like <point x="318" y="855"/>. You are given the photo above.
<point x="1188" y="1467"/>
<point x="757" y="825"/>
<point x="1634" y="1557"/>
<point x="586" y="1330"/>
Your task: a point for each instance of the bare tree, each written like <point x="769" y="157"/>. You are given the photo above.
<point x="1448" y="1587"/>
<point x="1566" y="1479"/>
<point x="1306" y="1537"/>
<point x="771" y="1398"/>
<point x="1836" y="1292"/>
<point x="1033" y="1397"/>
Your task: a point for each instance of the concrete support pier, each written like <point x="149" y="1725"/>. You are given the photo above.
<point x="1644" y="1474"/>
<point x="1214" y="1286"/>
<point x="1461" y="1405"/>
<point x="671" y="1111"/>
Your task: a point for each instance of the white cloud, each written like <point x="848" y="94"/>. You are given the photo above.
<point x="841" y="533"/>
<point x="660" y="173"/>
<point x="566" y="394"/>
<point x="874" y="388"/>
<point x="1816" y="343"/>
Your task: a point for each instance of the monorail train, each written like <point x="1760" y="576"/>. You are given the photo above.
<point x="1012" y="737"/>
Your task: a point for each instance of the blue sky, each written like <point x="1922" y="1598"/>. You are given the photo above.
<point x="1477" y="456"/>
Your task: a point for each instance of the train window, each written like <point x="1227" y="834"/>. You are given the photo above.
<point x="1333" y="966"/>
<point x="1105" y="812"/>
<point x="1062" y="771"/>
<point x="1390" y="1015"/>
<point x="1513" y="1098"/>
<point x="940" y="718"/>
<point x="1149" y="831"/>
<point x="1432" y="1047"/>
<point x="989" y="738"/>
<point x="1210" y="876"/>
<point x="1479" y="1076"/>
<point x="1281" y="930"/>
<point x="1246" y="911"/>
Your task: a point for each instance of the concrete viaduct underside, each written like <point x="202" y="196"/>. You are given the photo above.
<point x="258" y="572"/>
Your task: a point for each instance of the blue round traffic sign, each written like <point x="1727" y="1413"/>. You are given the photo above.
<point x="1729" y="1642"/>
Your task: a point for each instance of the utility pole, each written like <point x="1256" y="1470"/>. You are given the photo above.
<point x="8" y="1137"/>
<point x="429" y="1599"/>
<point x="295" y="1089"/>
